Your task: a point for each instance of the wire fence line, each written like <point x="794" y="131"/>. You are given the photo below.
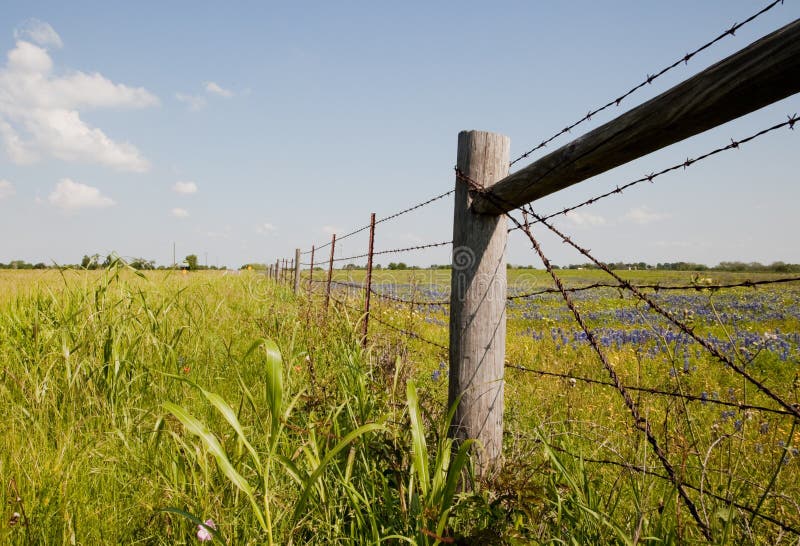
<point x="387" y="218"/>
<point x="769" y="400"/>
<point x="733" y="145"/>
<point x="647" y="81"/>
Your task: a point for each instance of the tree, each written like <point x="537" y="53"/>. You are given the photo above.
<point x="191" y="259"/>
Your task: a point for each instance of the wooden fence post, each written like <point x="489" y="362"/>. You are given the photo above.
<point x="296" y="270"/>
<point x="330" y="273"/>
<point x="368" y="282"/>
<point x="277" y="270"/>
<point x="311" y="275"/>
<point x="478" y="302"/>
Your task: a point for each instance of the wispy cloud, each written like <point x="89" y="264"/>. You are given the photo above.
<point x="178" y="212"/>
<point x="215" y="89"/>
<point x="38" y="32"/>
<point x="193" y="102"/>
<point x="585" y="219"/>
<point x="40" y="112"/>
<point x="185" y="188"/>
<point x="265" y="229"/>
<point x="644" y="215"/>
<point x="6" y="189"/>
<point x="70" y="196"/>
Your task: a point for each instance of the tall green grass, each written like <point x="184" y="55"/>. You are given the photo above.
<point x="136" y="407"/>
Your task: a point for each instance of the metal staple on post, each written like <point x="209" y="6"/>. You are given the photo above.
<point x="368" y="289"/>
<point x="330" y="273"/>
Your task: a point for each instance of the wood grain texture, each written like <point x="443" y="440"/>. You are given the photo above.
<point x="764" y="72"/>
<point x="478" y="303"/>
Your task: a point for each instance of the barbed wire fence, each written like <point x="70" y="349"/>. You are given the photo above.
<point x="667" y="409"/>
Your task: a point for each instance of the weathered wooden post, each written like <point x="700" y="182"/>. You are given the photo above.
<point x="478" y="301"/>
<point x="330" y="273"/>
<point x="296" y="270"/>
<point x="277" y="270"/>
<point x="311" y="275"/>
<point x="368" y="282"/>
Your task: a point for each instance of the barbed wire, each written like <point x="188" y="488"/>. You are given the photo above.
<point x="386" y="219"/>
<point x="648" y="80"/>
<point x="395" y="251"/>
<point x="794" y="409"/>
<point x="392" y="326"/>
<point x="658" y="287"/>
<point x="643" y="470"/>
<point x="410" y="334"/>
<point x="734" y="144"/>
<point x="640" y="422"/>
<point x="702" y="398"/>
<point x="410" y="302"/>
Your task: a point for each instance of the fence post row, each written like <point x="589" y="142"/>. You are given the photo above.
<point x="478" y="302"/>
<point x="368" y="281"/>
<point x="330" y="273"/>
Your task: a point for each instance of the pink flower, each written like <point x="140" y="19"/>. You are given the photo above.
<point x="203" y="534"/>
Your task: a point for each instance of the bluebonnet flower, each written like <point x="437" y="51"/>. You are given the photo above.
<point x="436" y="374"/>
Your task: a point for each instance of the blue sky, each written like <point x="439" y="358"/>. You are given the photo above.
<point x="243" y="130"/>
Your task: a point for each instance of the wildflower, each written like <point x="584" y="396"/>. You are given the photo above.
<point x="186" y="369"/>
<point x="764" y="428"/>
<point x="436" y="374"/>
<point x="738" y="425"/>
<point x="704" y="397"/>
<point x="203" y="534"/>
<point x="14" y="519"/>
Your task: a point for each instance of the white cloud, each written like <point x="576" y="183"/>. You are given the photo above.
<point x="194" y="102"/>
<point x="585" y="219"/>
<point x="643" y="215"/>
<point x="215" y="89"/>
<point x="185" y="187"/>
<point x="6" y="189"/>
<point x="69" y="195"/>
<point x="39" y="111"/>
<point x="265" y="228"/>
<point x="179" y="213"/>
<point x="38" y="32"/>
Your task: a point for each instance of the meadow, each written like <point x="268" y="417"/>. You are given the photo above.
<point x="137" y="407"/>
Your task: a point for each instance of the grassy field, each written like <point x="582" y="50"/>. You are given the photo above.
<point x="136" y="407"/>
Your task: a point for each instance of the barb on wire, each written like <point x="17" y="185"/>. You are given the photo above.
<point x="703" y="398"/>
<point x="387" y="218"/>
<point x="640" y="422"/>
<point x="395" y="251"/>
<point x="657" y="287"/>
<point x="794" y="409"/>
<point x="647" y="81"/>
<point x="734" y="144"/>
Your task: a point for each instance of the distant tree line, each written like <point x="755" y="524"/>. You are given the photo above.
<point x="95" y="261"/>
<point x="747" y="267"/>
